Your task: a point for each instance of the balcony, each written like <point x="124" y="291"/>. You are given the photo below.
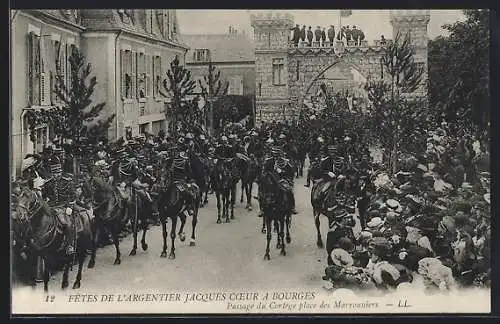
<point x="338" y="46"/>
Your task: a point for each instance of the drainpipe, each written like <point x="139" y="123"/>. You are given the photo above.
<point x="117" y="81"/>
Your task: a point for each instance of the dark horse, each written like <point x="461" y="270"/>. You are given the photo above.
<point x="248" y="171"/>
<point x="200" y="171"/>
<point x="324" y="193"/>
<point x="174" y="199"/>
<point x="276" y="202"/>
<point x="38" y="227"/>
<point x="141" y="211"/>
<point x="109" y="211"/>
<point x="224" y="188"/>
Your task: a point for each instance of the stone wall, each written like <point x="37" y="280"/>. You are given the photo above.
<point x="312" y="63"/>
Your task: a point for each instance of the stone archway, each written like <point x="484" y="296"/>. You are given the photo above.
<point x="338" y="76"/>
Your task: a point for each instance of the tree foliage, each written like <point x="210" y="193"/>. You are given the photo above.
<point x="213" y="89"/>
<point x="459" y="71"/>
<point x="179" y="88"/>
<point x="77" y="123"/>
<point x="396" y="119"/>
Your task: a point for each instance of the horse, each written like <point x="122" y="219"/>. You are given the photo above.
<point x="248" y="172"/>
<point x="37" y="226"/>
<point x="322" y="191"/>
<point x="140" y="208"/>
<point x="174" y="198"/>
<point x="222" y="182"/>
<point x="199" y="171"/>
<point x="275" y="201"/>
<point x="109" y="211"/>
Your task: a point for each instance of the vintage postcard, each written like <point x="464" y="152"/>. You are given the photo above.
<point x="250" y="161"/>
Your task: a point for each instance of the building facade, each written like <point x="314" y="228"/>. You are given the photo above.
<point x="288" y="76"/>
<point x="129" y="50"/>
<point x="232" y="54"/>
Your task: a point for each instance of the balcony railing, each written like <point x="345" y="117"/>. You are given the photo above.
<point x="339" y="44"/>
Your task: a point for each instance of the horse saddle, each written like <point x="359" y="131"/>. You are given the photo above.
<point x="182" y="186"/>
<point x="74" y="219"/>
<point x="285" y="185"/>
<point x="243" y="157"/>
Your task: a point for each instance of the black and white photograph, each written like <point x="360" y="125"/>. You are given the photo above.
<point x="184" y="161"/>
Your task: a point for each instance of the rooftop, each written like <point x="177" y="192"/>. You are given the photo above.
<point x="223" y="48"/>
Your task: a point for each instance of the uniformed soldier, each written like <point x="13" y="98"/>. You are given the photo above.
<point x="62" y="197"/>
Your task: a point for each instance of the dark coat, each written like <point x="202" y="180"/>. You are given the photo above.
<point x="310" y="35"/>
<point x="331" y="33"/>
<point x="303" y="34"/>
<point x="317" y="34"/>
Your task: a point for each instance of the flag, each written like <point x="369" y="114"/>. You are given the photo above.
<point x="345" y="13"/>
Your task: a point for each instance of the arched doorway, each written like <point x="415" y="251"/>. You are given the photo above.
<point x="338" y="77"/>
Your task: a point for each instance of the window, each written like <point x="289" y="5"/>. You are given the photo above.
<point x="156" y="76"/>
<point x="41" y="140"/>
<point x="149" y="68"/>
<point x="268" y="39"/>
<point x="61" y="64"/>
<point x="201" y="55"/>
<point x="126" y="74"/>
<point x="149" y="20"/>
<point x="156" y="126"/>
<point x="297" y="71"/>
<point x="141" y="75"/>
<point x="143" y="128"/>
<point x="235" y="85"/>
<point x="34" y="69"/>
<point x="260" y="89"/>
<point x="278" y="71"/>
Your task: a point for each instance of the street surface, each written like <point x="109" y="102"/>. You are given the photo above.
<point x="226" y="256"/>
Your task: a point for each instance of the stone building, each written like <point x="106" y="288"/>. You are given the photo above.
<point x="233" y="54"/>
<point x="288" y="76"/>
<point x="129" y="50"/>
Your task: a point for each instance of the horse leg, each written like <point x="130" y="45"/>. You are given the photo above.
<point x="205" y="190"/>
<point x="46" y="277"/>
<point x="319" y="241"/>
<point x="164" y="232"/>
<point x="282" y="234"/>
<point x="225" y="205"/>
<point x="194" y="221"/>
<point x="95" y="238"/>
<point x="248" y="189"/>
<point x="144" y="245"/>
<point x="135" y="230"/>
<point x="263" y="230"/>
<point x="65" y="283"/>
<point x="171" y="256"/>
<point x="81" y="259"/>
<point x="279" y="243"/>
<point x="116" y="242"/>
<point x="233" y="200"/>
<point x="288" y="224"/>
<point x="242" y="190"/>
<point x="268" y="221"/>
<point x="218" y="196"/>
<point x="182" y="236"/>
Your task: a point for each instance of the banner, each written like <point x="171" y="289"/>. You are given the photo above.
<point x="345" y="13"/>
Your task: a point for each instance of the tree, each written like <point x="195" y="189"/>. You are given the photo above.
<point x="459" y="71"/>
<point x="213" y="89"/>
<point x="395" y="115"/>
<point x="78" y="124"/>
<point x="179" y="88"/>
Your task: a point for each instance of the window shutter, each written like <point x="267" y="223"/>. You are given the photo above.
<point x="37" y="72"/>
<point x="31" y="68"/>
<point x="133" y="59"/>
<point x="122" y="73"/>
<point x="63" y="63"/>
<point x="147" y="86"/>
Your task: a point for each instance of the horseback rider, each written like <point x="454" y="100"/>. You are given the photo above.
<point x="317" y="148"/>
<point x="182" y="174"/>
<point x="61" y="197"/>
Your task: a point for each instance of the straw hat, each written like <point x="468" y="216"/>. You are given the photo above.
<point x="341" y="258"/>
